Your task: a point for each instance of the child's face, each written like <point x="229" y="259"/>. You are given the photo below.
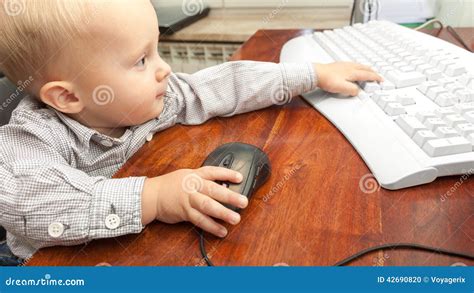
<point x="121" y="78"/>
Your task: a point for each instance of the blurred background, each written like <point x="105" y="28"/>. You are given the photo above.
<point x="212" y="38"/>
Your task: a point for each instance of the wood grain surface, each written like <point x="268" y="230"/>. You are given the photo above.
<point x="311" y="212"/>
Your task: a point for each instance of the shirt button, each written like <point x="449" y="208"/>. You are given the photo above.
<point x="55" y="229"/>
<point x="106" y="143"/>
<point x="112" y="221"/>
<point x="149" y="137"/>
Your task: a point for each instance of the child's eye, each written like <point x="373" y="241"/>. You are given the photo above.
<point x="141" y="63"/>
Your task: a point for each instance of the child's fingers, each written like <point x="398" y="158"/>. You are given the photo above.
<point x="223" y="194"/>
<point x="210" y="207"/>
<point x="219" y="173"/>
<point x="363" y="75"/>
<point x="364" y="67"/>
<point x="206" y="223"/>
<point x="349" y="88"/>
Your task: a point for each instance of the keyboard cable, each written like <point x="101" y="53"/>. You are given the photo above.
<point x="351" y="21"/>
<point x="430" y="22"/>
<point x="362" y="252"/>
<point x="404" y="245"/>
<point x="449" y="29"/>
<point x="458" y="38"/>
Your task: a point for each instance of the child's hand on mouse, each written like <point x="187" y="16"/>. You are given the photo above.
<point x="339" y="77"/>
<point x="192" y="195"/>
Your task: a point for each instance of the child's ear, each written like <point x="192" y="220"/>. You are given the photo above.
<point x="60" y="95"/>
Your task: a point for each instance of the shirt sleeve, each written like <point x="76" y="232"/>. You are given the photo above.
<point x="46" y="202"/>
<point x="238" y="87"/>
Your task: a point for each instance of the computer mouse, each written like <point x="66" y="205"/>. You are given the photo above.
<point x="247" y="159"/>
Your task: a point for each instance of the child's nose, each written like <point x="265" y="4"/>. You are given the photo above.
<point x="163" y="71"/>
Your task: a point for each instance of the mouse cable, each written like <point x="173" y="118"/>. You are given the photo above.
<point x="362" y="252"/>
<point x="404" y="245"/>
<point x="203" y="248"/>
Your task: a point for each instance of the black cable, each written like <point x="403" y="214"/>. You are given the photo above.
<point x="203" y="248"/>
<point x="353" y="12"/>
<point x="362" y="252"/>
<point x="404" y="245"/>
<point x="453" y="33"/>
<point x="369" y="6"/>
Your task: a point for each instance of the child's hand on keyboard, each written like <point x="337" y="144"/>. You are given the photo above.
<point x="192" y="195"/>
<point x="339" y="77"/>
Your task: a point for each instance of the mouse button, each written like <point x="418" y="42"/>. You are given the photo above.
<point x="227" y="161"/>
<point x="242" y="165"/>
<point x="254" y="183"/>
<point x="259" y="168"/>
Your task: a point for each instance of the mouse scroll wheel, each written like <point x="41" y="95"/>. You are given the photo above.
<point x="227" y="161"/>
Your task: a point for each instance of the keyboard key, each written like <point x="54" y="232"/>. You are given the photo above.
<point x="424" y="87"/>
<point x="405" y="100"/>
<point x="436" y="59"/>
<point x="447" y="146"/>
<point x="463" y="107"/>
<point x="370" y="86"/>
<point x="445" y="81"/>
<point x="443" y="65"/>
<point x="416" y="63"/>
<point x="386" y="69"/>
<point x="446" y="100"/>
<point x="453" y="87"/>
<point x="430" y="55"/>
<point x="442" y="112"/>
<point x="433" y="74"/>
<point x="385" y="100"/>
<point x="433" y="123"/>
<point x="324" y="41"/>
<point x="405" y="79"/>
<point x="387" y="85"/>
<point x="424" y="115"/>
<point x="423" y="136"/>
<point x="410" y="124"/>
<point x="394" y="109"/>
<point x="446" y="132"/>
<point x="434" y="92"/>
<point x="467" y="79"/>
<point x="454" y="120"/>
<point x="465" y="129"/>
<point x="423" y="67"/>
<point x="379" y="94"/>
<point x="464" y="96"/>
<point x="455" y="69"/>
<point x="407" y="68"/>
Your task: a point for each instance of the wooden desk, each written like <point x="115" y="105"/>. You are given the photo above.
<point x="311" y="212"/>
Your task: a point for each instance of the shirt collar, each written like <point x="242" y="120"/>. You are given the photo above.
<point x="86" y="134"/>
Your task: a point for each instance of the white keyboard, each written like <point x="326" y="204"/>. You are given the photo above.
<point x="415" y="126"/>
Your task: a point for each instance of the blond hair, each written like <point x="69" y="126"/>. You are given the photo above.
<point x="33" y="32"/>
